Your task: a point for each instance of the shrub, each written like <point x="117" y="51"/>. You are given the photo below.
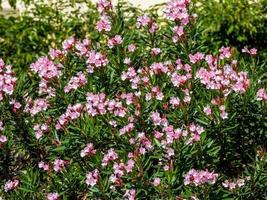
<point x="136" y="111"/>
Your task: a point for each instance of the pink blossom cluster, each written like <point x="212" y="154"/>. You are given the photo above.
<point x="46" y="68"/>
<point x="83" y="47"/>
<point x="59" y="165"/>
<point x="69" y="43"/>
<point x="115" y="41"/>
<point x="225" y="79"/>
<point x="176" y="10"/>
<point x="126" y="129"/>
<point x="39" y="130"/>
<point x="225" y="52"/>
<point x="155" y="93"/>
<point x="43" y="165"/>
<point x="36" y="106"/>
<point x="194" y="58"/>
<point x="11" y="184"/>
<point x="104" y="5"/>
<point x="132" y="76"/>
<point x="44" y="88"/>
<point x="155" y="51"/>
<point x="15" y="105"/>
<point x="111" y="155"/>
<point x="7" y="80"/>
<point x="104" y="24"/>
<point x="252" y="51"/>
<point x="88" y="150"/>
<point x="52" y="196"/>
<point x="158" y="68"/>
<point x="56" y="53"/>
<point x="95" y="60"/>
<point x="156" y="182"/>
<point x="75" y="82"/>
<point x="146" y="21"/>
<point x="199" y="177"/>
<point x="194" y="133"/>
<point x="119" y="169"/>
<point x="142" y="143"/>
<point x="72" y="113"/>
<point x="3" y="139"/>
<point x="238" y="183"/>
<point x="261" y="95"/>
<point x="92" y="178"/>
<point x="178" y="33"/>
<point x="97" y="104"/>
<point x="130" y="194"/>
<point x="131" y="48"/>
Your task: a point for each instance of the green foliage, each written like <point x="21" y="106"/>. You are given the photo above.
<point x="234" y="22"/>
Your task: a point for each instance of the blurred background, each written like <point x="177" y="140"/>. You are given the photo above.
<point x="28" y="28"/>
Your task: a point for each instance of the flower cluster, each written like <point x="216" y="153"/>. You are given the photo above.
<point x="225" y="79"/>
<point x="39" y="130"/>
<point x="199" y="177"/>
<point x="114" y="41"/>
<point x="146" y="21"/>
<point x="7" y="80"/>
<point x="36" y="106"/>
<point x="72" y="113"/>
<point x="238" y="183"/>
<point x="11" y="184"/>
<point x="76" y="82"/>
<point x="52" y="196"/>
<point x="46" y="68"/>
<point x="261" y="95"/>
<point x="92" y="178"/>
<point x="3" y="139"/>
<point x="88" y="150"/>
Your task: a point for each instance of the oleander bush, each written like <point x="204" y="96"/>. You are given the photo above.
<point x="135" y="109"/>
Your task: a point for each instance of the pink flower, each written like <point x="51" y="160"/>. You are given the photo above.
<point x="36" y="106"/>
<point x="207" y="110"/>
<point x="130" y="194"/>
<point x="39" y="130"/>
<point x="72" y="113"/>
<point x="92" y="178"/>
<point x="68" y="43"/>
<point x="3" y="139"/>
<point x="126" y="129"/>
<point x="238" y="183"/>
<point x="176" y="10"/>
<point x="76" y="82"/>
<point x="156" y="182"/>
<point x="46" y="68"/>
<point x="199" y="177"/>
<point x="59" y="165"/>
<point x="225" y="52"/>
<point x="103" y="24"/>
<point x="43" y="165"/>
<point x="131" y="47"/>
<point x="7" y="80"/>
<point x="104" y="5"/>
<point x="95" y="60"/>
<point x="174" y="101"/>
<point x="110" y="156"/>
<point x="114" y="41"/>
<point x="88" y="150"/>
<point x="10" y="185"/>
<point x="261" y="95"/>
<point x="196" y="57"/>
<point x="155" y="51"/>
<point x="52" y="196"/>
<point x="252" y="51"/>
